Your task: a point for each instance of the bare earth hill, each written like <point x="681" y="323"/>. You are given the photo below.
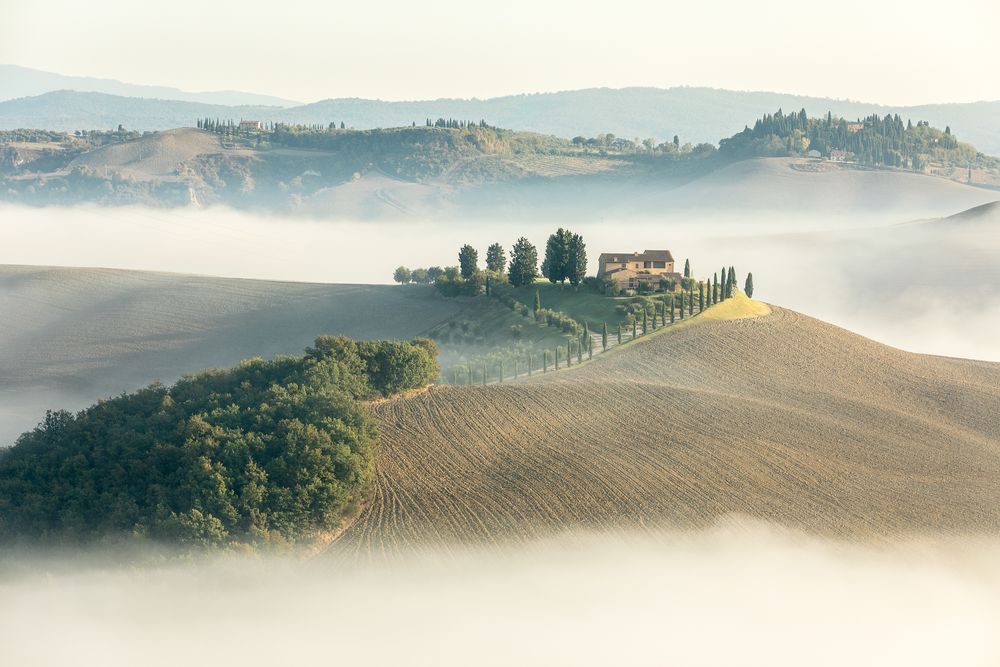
<point x="780" y="417"/>
<point x="71" y="336"/>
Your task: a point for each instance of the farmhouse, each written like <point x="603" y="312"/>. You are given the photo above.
<point x="250" y="125"/>
<point x="629" y="270"/>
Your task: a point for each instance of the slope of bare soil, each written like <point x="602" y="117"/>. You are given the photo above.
<point x="780" y="417"/>
<point x="71" y="336"/>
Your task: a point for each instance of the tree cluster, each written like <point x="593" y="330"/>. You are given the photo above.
<point x="268" y="453"/>
<point x="565" y="257"/>
<point x="876" y="141"/>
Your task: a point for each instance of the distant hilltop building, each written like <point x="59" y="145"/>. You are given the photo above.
<point x="853" y="128"/>
<point x="839" y="156"/>
<point x="627" y="270"/>
<point x="250" y="125"/>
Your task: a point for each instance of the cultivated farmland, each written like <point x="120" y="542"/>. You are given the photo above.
<point x="779" y="417"/>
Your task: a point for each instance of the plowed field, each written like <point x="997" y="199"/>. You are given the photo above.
<point x="780" y="417"/>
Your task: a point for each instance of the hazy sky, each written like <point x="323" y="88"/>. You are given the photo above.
<point x="879" y="51"/>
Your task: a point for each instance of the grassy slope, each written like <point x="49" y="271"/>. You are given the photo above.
<point x="579" y="303"/>
<point x="778" y="417"/>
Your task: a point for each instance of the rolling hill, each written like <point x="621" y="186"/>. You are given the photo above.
<point x="779" y="417"/>
<point x="418" y="172"/>
<point x="695" y="114"/>
<point x="71" y="336"/>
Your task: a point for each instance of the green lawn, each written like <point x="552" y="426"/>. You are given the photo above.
<point x="579" y="303"/>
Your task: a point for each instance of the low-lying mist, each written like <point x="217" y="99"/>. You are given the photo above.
<point x="741" y="593"/>
<point x="932" y="289"/>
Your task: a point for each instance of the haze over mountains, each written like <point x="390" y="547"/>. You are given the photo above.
<point x="16" y="81"/>
<point x="50" y="101"/>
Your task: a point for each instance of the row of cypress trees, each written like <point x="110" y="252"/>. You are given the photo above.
<point x="671" y="308"/>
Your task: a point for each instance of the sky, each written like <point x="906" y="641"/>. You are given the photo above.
<point x="889" y="52"/>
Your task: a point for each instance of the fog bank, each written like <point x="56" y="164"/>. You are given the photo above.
<point x="923" y="288"/>
<point x="747" y="594"/>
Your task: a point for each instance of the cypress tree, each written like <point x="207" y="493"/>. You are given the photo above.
<point x="722" y="284"/>
<point x="748" y="287"/>
<point x="701" y="297"/>
<point x="715" y="289"/>
<point x="515" y="368"/>
<point x="579" y="353"/>
<point x="590" y="349"/>
<point x="501" y="371"/>
<point x="691" y="300"/>
<point x="472" y="377"/>
<point x="569" y="353"/>
<point x="687" y="268"/>
<point x="634" y="323"/>
<point x="545" y="361"/>
<point x="557" y="358"/>
<point x="644" y="321"/>
<point x="671" y="308"/>
<point x="529" y="364"/>
<point x="681" y="309"/>
<point x="538" y="301"/>
<point x="619" y="333"/>
<point x="604" y="337"/>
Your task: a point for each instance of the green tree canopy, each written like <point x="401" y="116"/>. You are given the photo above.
<point x="523" y="263"/>
<point x="468" y="261"/>
<point x="576" y="259"/>
<point x="556" y="255"/>
<point x="266" y="453"/>
<point x="402" y="275"/>
<point x="496" y="258"/>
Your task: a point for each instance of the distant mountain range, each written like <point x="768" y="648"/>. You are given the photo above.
<point x="18" y="81"/>
<point x="694" y="114"/>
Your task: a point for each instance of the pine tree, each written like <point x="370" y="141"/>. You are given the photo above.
<point x="468" y="260"/>
<point x="604" y="337"/>
<point x="496" y="258"/>
<point x="748" y="287"/>
<point x="524" y="266"/>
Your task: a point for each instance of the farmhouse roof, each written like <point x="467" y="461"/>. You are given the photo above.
<point x="645" y="256"/>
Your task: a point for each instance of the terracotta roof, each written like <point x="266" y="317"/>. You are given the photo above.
<point x="645" y="256"/>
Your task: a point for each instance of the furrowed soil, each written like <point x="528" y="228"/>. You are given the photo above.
<point x="778" y="417"/>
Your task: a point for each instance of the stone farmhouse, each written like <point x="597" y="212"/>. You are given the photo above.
<point x="629" y="270"/>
